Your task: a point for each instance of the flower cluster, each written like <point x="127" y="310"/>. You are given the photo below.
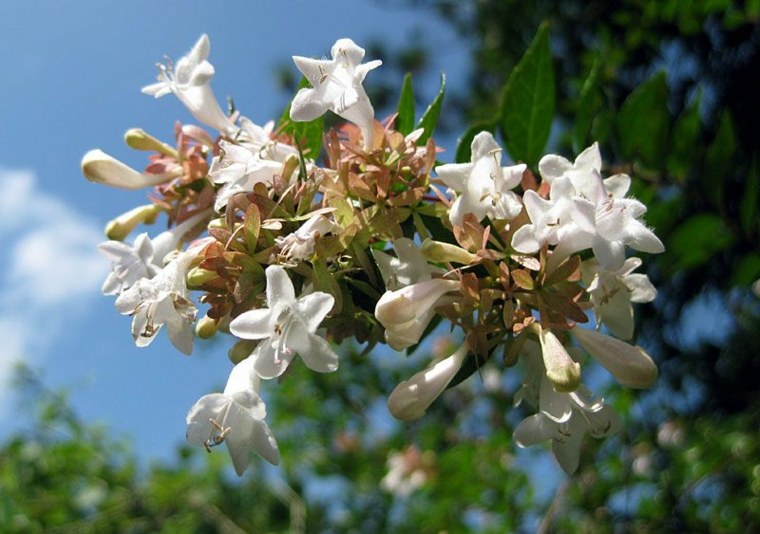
<point x="289" y="248"/>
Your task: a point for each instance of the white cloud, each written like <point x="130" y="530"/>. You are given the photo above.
<point x="50" y="259"/>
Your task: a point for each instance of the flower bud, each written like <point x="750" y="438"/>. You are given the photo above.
<point x="197" y="276"/>
<point x="438" y="251"/>
<point x="206" y="327"/>
<point x="411" y="398"/>
<point x="99" y="167"/>
<point x="121" y="226"/>
<point x="241" y="350"/>
<point x="561" y="370"/>
<point x="139" y="139"/>
<point x="629" y="364"/>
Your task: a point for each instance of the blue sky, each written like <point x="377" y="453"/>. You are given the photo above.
<point x="72" y="77"/>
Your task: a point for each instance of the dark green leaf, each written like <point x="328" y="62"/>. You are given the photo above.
<point x="695" y="241"/>
<point x="685" y="137"/>
<point x="589" y="102"/>
<point x="429" y="119"/>
<point x="527" y="106"/>
<point x="718" y="159"/>
<point x="405" y="119"/>
<point x="643" y="122"/>
<point x="748" y="206"/>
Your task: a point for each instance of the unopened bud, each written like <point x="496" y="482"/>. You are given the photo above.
<point x="561" y="370"/>
<point x="197" y="277"/>
<point x="206" y="327"/>
<point x="438" y="251"/>
<point x="241" y="350"/>
<point x="289" y="166"/>
<point x="121" y="226"/>
<point x="99" y="167"/>
<point x="139" y="139"/>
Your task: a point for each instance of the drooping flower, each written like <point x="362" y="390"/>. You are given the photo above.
<point x="405" y="313"/>
<point x="613" y="292"/>
<point x="286" y="328"/>
<point x="145" y="257"/>
<point x="99" y="167"/>
<point x="336" y="85"/>
<point x="190" y="81"/>
<point x="162" y="300"/>
<point x="411" y="398"/>
<point x="629" y="364"/>
<point x="484" y="186"/>
<point x="584" y="415"/>
<point x="235" y="417"/>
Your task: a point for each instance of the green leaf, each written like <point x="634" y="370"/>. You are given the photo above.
<point x="405" y="119"/>
<point x="718" y="160"/>
<point x="746" y="271"/>
<point x="748" y="214"/>
<point x="589" y="103"/>
<point x="429" y="119"/>
<point x="643" y="122"/>
<point x="685" y="137"/>
<point x="308" y="135"/>
<point x="527" y="106"/>
<point x="464" y="152"/>
<point x="695" y="241"/>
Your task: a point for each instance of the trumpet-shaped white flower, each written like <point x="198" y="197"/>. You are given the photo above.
<point x="629" y="364"/>
<point x="190" y="81"/>
<point x="99" y="167"/>
<point x="286" y="328"/>
<point x="411" y="398"/>
<point x="580" y="415"/>
<point x="162" y="300"/>
<point x="484" y="186"/>
<point x="336" y="85"/>
<point x="613" y="292"/>
<point x="145" y="257"/>
<point x="300" y="244"/>
<point x="235" y="417"/>
<point x="407" y="268"/>
<point x="406" y="312"/>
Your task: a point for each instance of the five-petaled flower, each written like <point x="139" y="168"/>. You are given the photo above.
<point x="336" y="85"/>
<point x="287" y="327"/>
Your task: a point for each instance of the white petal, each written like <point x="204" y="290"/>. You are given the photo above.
<point x="314" y="351"/>
<point x="313" y="308"/>
<point x="568" y="450"/>
<point x="207" y="407"/>
<point x="279" y="287"/>
<point x="640" y="287"/>
<point x="552" y="166"/>
<point x="534" y="429"/>
<point x="254" y="324"/>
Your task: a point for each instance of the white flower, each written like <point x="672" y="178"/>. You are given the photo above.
<point x="484" y="186"/>
<point x="556" y="221"/>
<point x="235" y="417"/>
<point x="336" y="85"/>
<point x="99" y="167"/>
<point x="615" y="224"/>
<point x="407" y="268"/>
<point x="190" y="81"/>
<point x="552" y="166"/>
<point x="163" y="299"/>
<point x="411" y="398"/>
<point x="300" y="244"/>
<point x="145" y="257"/>
<point x="613" y="292"/>
<point x="407" y="471"/>
<point x="581" y="415"/>
<point x="405" y="313"/>
<point x="287" y="327"/>
<point x="629" y="364"/>
<point x="253" y="158"/>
